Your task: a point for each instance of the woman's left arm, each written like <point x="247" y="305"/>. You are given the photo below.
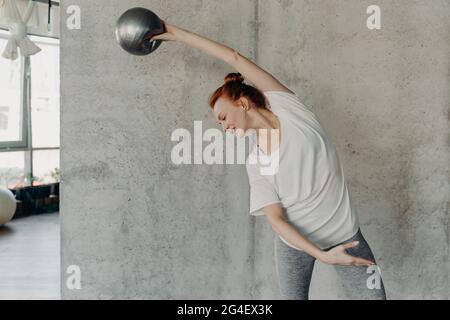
<point x="260" y="78"/>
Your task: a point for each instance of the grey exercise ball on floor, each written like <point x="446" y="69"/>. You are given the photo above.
<point x="8" y="205"/>
<point x="133" y="29"/>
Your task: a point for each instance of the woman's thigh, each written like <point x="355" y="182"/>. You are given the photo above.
<point x="294" y="270"/>
<point x="361" y="283"/>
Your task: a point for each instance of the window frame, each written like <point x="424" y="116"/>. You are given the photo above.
<point x="25" y="144"/>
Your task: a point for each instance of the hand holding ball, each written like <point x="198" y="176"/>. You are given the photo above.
<point x="134" y="29"/>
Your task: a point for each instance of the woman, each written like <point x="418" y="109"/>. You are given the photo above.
<point x="305" y="200"/>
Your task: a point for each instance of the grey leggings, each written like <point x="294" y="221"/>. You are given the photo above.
<point x="294" y="269"/>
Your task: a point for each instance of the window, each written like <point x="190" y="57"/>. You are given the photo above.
<point x="12" y="169"/>
<point x="29" y="116"/>
<point x="45" y="166"/>
<point x="11" y="105"/>
<point x="44" y="67"/>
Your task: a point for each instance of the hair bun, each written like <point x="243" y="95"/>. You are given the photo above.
<point x="234" y="77"/>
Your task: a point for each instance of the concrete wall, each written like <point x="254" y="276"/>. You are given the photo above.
<point x="139" y="226"/>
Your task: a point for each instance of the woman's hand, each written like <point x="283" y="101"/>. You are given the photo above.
<point x="169" y="35"/>
<point x="339" y="256"/>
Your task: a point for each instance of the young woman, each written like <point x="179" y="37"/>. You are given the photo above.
<point x="306" y="199"/>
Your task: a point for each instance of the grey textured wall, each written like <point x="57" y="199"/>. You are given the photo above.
<point x="141" y="227"/>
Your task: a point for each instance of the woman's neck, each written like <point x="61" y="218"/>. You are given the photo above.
<point x="267" y="120"/>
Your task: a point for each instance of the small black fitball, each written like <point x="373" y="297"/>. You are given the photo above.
<point x="134" y="28"/>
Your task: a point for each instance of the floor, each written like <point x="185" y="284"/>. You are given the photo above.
<point x="30" y="258"/>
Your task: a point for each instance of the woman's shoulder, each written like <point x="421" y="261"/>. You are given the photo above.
<point x="287" y="91"/>
<point x="285" y="99"/>
<point x="289" y="104"/>
<point x="281" y="93"/>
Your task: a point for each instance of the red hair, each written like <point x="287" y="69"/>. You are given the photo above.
<point x="235" y="88"/>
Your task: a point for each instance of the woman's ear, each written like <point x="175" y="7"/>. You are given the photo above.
<point x="244" y="103"/>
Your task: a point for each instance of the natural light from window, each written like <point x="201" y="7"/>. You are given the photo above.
<point x="10" y="111"/>
<point x="39" y="163"/>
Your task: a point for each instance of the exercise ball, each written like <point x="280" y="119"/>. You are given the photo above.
<point x="7" y="205"/>
<point x="134" y="28"/>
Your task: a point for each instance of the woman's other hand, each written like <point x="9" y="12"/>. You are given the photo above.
<point x="339" y="256"/>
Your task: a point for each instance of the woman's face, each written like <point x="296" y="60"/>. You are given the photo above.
<point x="232" y="117"/>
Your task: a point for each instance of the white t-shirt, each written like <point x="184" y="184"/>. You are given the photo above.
<point x="309" y="181"/>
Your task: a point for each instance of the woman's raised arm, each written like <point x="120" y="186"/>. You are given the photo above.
<point x="260" y="78"/>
